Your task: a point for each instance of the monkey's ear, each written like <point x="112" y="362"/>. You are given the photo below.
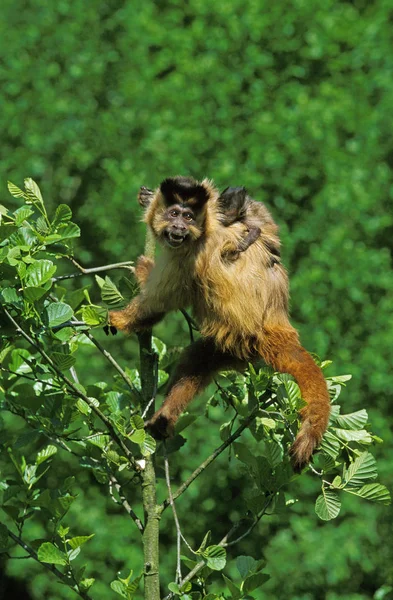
<point x="232" y="198"/>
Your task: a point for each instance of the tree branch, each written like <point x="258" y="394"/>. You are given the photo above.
<point x="213" y="456"/>
<point x="52" y="568"/>
<point x="113" y="433"/>
<point x="177" y="524"/>
<point x="122" y="265"/>
<point x="225" y="544"/>
<point x="124" y="503"/>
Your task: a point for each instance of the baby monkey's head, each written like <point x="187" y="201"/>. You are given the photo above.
<point x="178" y="209"/>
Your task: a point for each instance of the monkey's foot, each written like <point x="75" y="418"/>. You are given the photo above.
<point x="160" y="427"/>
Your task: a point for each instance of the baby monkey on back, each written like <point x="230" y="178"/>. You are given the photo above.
<point x="221" y="257"/>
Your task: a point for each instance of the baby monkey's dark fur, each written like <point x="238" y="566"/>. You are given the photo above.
<point x="215" y="262"/>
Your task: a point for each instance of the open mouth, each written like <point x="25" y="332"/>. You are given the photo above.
<point x="174" y="239"/>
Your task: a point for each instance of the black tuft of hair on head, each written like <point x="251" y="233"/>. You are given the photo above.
<point x="186" y="188"/>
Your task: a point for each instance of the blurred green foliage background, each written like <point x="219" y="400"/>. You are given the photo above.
<point x="292" y="99"/>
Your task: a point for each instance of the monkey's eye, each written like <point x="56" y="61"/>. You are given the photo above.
<point x="188" y="216"/>
<point x="174" y="213"/>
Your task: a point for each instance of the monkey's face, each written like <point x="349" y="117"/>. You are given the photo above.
<point x="177" y="211"/>
<point x="180" y="225"/>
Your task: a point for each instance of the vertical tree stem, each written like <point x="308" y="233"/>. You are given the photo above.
<point x="152" y="511"/>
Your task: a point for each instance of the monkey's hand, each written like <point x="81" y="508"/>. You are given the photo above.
<point x="143" y="269"/>
<point x="145" y="196"/>
<point x="160" y="426"/>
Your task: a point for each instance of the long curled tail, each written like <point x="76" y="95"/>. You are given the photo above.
<point x="282" y="350"/>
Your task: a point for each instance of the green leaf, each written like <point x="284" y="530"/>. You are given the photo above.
<point x="245" y="565"/>
<point x="91" y="316"/>
<point x="70" y="231"/>
<point x="63" y="214"/>
<point x="149" y="445"/>
<point x="63" y="361"/>
<point x="173" y="587"/>
<point x="58" y="313"/>
<point x="138" y="436"/>
<point x="120" y="588"/>
<point x="22" y="214"/>
<point x="293" y="393"/>
<point x="233" y="589"/>
<point x="40" y="272"/>
<point x="327" y="505"/>
<point x="45" y="454"/>
<point x="32" y="187"/>
<point x="330" y="445"/>
<point x="137" y="422"/>
<point x="14" y="190"/>
<point x="6" y="231"/>
<point x="254" y="581"/>
<point x="85" y="584"/>
<point x="363" y="467"/>
<point x="204" y="543"/>
<point x="372" y="491"/>
<point x="109" y="292"/>
<point x="244" y="454"/>
<point x="362" y="436"/>
<point x="78" y="541"/>
<point x="100" y="440"/>
<point x="184" y="421"/>
<point x="49" y="553"/>
<point x="273" y="453"/>
<point x="159" y="347"/>
<point x="215" y="557"/>
<point x="32" y="294"/>
<point x="10" y="296"/>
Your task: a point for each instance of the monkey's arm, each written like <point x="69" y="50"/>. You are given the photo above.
<point x="143" y="269"/>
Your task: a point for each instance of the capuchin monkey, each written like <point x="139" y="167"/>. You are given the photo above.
<point x="240" y="302"/>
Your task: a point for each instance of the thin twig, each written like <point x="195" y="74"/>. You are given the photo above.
<point x="52" y="568"/>
<point x="177" y="524"/>
<point x="112" y="431"/>
<point x="225" y="544"/>
<point x="214" y="455"/>
<point x="122" y="265"/>
<point x="114" y="364"/>
<point x="25" y="376"/>
<point x="124" y="502"/>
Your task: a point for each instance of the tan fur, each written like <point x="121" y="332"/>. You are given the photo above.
<point x="240" y="305"/>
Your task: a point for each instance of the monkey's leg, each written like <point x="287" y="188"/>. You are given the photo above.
<point x="251" y="237"/>
<point x="282" y="350"/>
<point x="196" y="368"/>
<point x="136" y="316"/>
<point x="143" y="268"/>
